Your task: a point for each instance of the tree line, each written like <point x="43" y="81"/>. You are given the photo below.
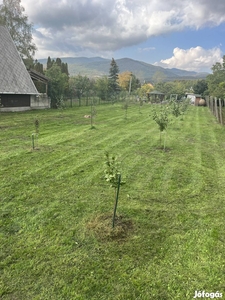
<point x="116" y="83"/>
<point x="62" y="85"/>
<point x="212" y="85"/>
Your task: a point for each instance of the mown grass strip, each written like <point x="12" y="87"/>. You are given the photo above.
<point x="174" y="199"/>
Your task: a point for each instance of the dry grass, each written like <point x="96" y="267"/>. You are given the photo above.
<point x="101" y="226"/>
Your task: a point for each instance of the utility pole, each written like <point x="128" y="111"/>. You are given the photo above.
<point x="130" y="83"/>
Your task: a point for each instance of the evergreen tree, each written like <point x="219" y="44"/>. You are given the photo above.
<point x="38" y="67"/>
<point x="58" y="62"/>
<point x="12" y="16"/>
<point x="49" y="63"/>
<point x="64" y="68"/>
<point x="113" y="78"/>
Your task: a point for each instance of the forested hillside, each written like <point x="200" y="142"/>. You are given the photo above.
<point x="97" y="66"/>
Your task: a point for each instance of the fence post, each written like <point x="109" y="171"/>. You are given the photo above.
<point x="221" y="119"/>
<point x="216" y="109"/>
<point x="207" y="100"/>
<point x="211" y="105"/>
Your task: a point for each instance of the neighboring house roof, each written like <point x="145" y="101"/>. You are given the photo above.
<point x="14" y="78"/>
<point x="35" y="75"/>
<point x="156" y="93"/>
<point x="195" y="95"/>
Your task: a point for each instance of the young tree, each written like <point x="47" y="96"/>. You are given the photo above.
<point x="58" y="84"/>
<point x="101" y="87"/>
<point x="80" y="86"/>
<point x="161" y="118"/>
<point x="114" y="87"/>
<point x="13" y="17"/>
<point x="113" y="176"/>
<point x="175" y="107"/>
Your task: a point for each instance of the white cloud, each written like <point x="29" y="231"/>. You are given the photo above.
<point x="193" y="59"/>
<point x="100" y="26"/>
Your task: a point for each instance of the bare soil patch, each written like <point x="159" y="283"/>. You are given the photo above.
<point x="101" y="226"/>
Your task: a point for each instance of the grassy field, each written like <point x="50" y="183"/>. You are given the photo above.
<point x="56" y="240"/>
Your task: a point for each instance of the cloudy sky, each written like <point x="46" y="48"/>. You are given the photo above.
<point x="187" y="34"/>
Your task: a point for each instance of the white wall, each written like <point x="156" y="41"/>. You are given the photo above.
<point x="192" y="98"/>
<point x="40" y="101"/>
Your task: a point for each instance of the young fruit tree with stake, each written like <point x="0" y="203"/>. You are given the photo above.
<point x="161" y="118"/>
<point x="113" y="176"/>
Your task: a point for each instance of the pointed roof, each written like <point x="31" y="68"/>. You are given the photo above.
<point x="14" y="78"/>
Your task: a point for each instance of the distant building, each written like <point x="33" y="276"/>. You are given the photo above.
<point x="156" y="96"/>
<point x="195" y="98"/>
<point x="17" y="90"/>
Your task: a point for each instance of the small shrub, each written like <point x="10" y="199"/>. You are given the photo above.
<point x="175" y="108"/>
<point x="37" y="124"/>
<point x="161" y="119"/>
<point x="141" y="102"/>
<point x="125" y="107"/>
<point x="60" y="103"/>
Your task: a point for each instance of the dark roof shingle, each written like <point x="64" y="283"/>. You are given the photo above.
<point x="14" y="77"/>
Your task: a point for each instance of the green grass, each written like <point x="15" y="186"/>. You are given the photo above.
<point x="54" y="200"/>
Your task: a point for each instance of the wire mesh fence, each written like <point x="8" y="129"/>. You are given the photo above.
<point x="89" y="101"/>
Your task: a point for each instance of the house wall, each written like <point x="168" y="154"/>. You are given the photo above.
<point x="12" y="102"/>
<point x="40" y="101"/>
<point x="192" y="98"/>
<point x="15" y="100"/>
<point x="14" y="109"/>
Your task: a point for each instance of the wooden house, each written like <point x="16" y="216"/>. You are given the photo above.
<point x="17" y="90"/>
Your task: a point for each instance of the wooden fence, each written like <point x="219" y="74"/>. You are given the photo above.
<point x="216" y="105"/>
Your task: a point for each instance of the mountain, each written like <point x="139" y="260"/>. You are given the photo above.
<point x="184" y="73"/>
<point x="98" y="66"/>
